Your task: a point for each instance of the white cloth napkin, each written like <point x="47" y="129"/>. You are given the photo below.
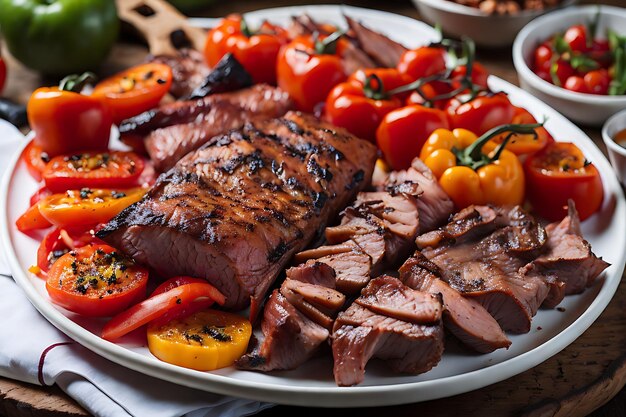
<point x="34" y="351"/>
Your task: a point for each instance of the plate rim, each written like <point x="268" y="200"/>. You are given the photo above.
<point x="358" y="396"/>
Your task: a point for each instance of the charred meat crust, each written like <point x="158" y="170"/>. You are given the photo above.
<point x="236" y="210"/>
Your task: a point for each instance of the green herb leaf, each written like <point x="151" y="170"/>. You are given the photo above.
<point x="560" y="44"/>
<point x="583" y="63"/>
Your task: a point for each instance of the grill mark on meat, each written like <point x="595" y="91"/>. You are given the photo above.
<point x="360" y="333"/>
<point x="234" y="221"/>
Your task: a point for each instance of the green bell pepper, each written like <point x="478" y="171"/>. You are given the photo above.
<point x="58" y="37"/>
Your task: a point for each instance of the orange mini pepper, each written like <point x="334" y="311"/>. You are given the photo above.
<point x="475" y="170"/>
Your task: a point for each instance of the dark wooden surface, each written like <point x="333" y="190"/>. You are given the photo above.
<point x="584" y="376"/>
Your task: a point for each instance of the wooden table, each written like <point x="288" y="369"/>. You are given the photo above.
<point x="581" y="378"/>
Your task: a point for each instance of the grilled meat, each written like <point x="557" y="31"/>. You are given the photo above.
<point x="404" y="330"/>
<point x="384" y="51"/>
<point x="227" y="75"/>
<point x="237" y="209"/>
<point x="464" y="317"/>
<point x="434" y="205"/>
<point x="488" y="269"/>
<point x="175" y="129"/>
<point x="568" y="259"/>
<point x="189" y="69"/>
<point x="289" y="336"/>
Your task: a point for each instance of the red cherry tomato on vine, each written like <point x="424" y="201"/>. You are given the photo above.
<point x="308" y="69"/>
<point x="404" y="131"/>
<point x="543" y="57"/>
<point x="481" y="114"/>
<point x="422" y="62"/>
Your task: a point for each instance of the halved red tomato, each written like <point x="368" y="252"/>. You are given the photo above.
<point x="113" y="169"/>
<point x="87" y="206"/>
<point x="134" y="90"/>
<point x="35" y="159"/>
<point x="96" y="281"/>
<point x="559" y="173"/>
<point x="156" y="306"/>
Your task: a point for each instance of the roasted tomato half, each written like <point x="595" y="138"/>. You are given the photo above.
<point x="559" y="173"/>
<point x="96" y="281"/>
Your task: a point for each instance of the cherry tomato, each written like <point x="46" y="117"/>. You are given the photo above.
<point x="113" y="169"/>
<point x="87" y="206"/>
<point x="422" y="62"/>
<point x="154" y="307"/>
<point x="134" y="90"/>
<point x="257" y="52"/>
<point x="479" y="74"/>
<point x="403" y="132"/>
<point x="558" y="173"/>
<point x="35" y="159"/>
<point x="576" y="83"/>
<point x="521" y="144"/>
<point x="597" y="81"/>
<point x="308" y="69"/>
<point x="428" y="91"/>
<point x="360" y="103"/>
<point x="96" y="281"/>
<point x="576" y="38"/>
<point x="562" y="71"/>
<point x="482" y="113"/>
<point x="543" y="57"/>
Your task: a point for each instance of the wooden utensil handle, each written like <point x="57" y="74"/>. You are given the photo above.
<point x="161" y="25"/>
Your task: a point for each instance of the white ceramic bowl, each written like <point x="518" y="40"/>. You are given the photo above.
<point x="617" y="153"/>
<point x="486" y="30"/>
<point x="588" y="109"/>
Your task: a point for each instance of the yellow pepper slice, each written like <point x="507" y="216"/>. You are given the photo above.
<point x="475" y="170"/>
<point x="206" y="340"/>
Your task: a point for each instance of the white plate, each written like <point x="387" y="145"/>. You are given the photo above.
<point x="312" y="384"/>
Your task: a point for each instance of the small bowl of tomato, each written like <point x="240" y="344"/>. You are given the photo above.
<point x="566" y="59"/>
<point x="614" y="136"/>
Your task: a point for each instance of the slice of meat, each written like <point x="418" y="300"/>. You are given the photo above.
<point x="471" y="223"/>
<point x="464" y="317"/>
<point x="189" y="70"/>
<point x="290" y="338"/>
<point x="488" y="270"/>
<point x="236" y="210"/>
<point x="384" y="51"/>
<point x="568" y="257"/>
<point x="360" y="334"/>
<point x="327" y="300"/>
<point x="384" y="296"/>
<point x="352" y="270"/>
<point x="175" y="129"/>
<point x="313" y="272"/>
<point x="434" y="205"/>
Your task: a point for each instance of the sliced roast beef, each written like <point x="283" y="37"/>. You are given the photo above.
<point x="568" y="257"/>
<point x="313" y="272"/>
<point x="384" y="51"/>
<point x="173" y="130"/>
<point x="189" y="69"/>
<point x="464" y="317"/>
<point x="236" y="210"/>
<point x="413" y="345"/>
<point x="290" y="338"/>
<point x="488" y="270"/>
<point x="434" y="205"/>
<point x="471" y="223"/>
